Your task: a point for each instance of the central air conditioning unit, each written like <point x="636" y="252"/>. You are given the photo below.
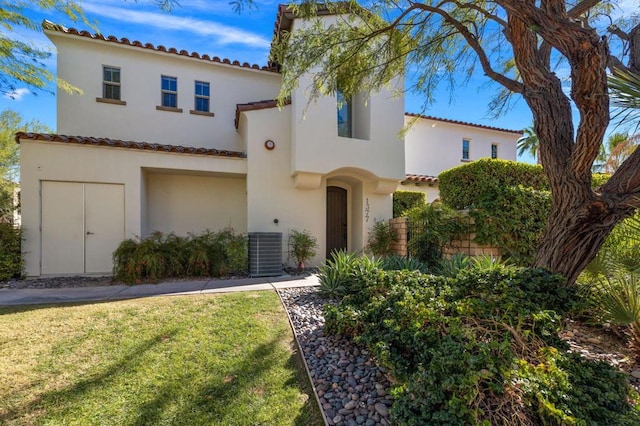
<point x="265" y="254"/>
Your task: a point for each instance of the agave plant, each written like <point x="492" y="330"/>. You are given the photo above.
<point x="620" y="300"/>
<point x="612" y="277"/>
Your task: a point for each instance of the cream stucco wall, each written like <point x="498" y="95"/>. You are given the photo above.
<point x="46" y="161"/>
<point x="432" y="146"/>
<point x="194" y="203"/>
<point x="272" y="192"/>
<point x="80" y="62"/>
<point x="319" y="149"/>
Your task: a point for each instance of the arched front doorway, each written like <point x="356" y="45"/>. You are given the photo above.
<point x="336" y="219"/>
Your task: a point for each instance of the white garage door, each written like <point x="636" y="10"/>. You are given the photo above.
<point x="82" y="224"/>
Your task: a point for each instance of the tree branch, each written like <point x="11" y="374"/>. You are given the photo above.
<point x="474" y="43"/>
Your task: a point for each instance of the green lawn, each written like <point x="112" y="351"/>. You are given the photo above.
<point x="193" y="360"/>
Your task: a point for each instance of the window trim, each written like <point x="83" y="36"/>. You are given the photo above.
<point x="468" y="150"/>
<point x="494" y="145"/>
<point x="111" y="83"/>
<point x="197" y="96"/>
<point x="164" y="91"/>
<point x="348" y="103"/>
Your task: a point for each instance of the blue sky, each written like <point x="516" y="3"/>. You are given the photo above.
<point x="213" y="27"/>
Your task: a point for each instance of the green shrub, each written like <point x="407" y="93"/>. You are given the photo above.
<point x="480" y="349"/>
<point x="302" y="246"/>
<point x="432" y="228"/>
<point x="11" y="265"/>
<point x="406" y="200"/>
<point x="468" y="185"/>
<point x="513" y="218"/>
<point x="161" y="256"/>
<point x="381" y="237"/>
<point x="599" y="179"/>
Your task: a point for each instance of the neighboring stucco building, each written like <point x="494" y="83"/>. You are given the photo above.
<point x="181" y="142"/>
<point x="433" y="145"/>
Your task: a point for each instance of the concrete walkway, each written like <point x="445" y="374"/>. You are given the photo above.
<point x="36" y="296"/>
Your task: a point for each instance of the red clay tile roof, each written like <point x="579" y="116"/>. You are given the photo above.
<point x="115" y="143"/>
<point x="50" y="26"/>
<point x="480" y="126"/>
<point x="421" y="179"/>
<point x="252" y="106"/>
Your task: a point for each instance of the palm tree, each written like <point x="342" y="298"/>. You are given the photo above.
<point x="529" y="143"/>
<point x="624" y="92"/>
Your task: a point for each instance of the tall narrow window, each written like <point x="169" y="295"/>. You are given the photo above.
<point x="169" y="92"/>
<point x="465" y="148"/>
<point x="202" y="96"/>
<point x="111" y="83"/>
<point x="494" y="150"/>
<point x="344" y="115"/>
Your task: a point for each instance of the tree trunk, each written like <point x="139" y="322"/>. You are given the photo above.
<point x="580" y="218"/>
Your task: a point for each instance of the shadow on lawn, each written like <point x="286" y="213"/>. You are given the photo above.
<point x="78" y="389"/>
<point x="216" y="401"/>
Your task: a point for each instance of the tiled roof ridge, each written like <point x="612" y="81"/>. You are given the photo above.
<point x="50" y="26"/>
<point x="464" y="123"/>
<point x="116" y="143"/>
<point x="421" y="178"/>
<point x="257" y="105"/>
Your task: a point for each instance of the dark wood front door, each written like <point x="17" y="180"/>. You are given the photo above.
<point x="336" y="219"/>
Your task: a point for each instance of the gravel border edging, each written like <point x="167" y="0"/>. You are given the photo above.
<point x="304" y="359"/>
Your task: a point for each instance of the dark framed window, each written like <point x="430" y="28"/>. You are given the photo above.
<point x="169" y="92"/>
<point x="111" y="82"/>
<point x="201" y="96"/>
<point x="465" y="148"/>
<point x="494" y="150"/>
<point x="345" y="122"/>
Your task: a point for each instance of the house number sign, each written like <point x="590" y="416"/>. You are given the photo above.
<point x="366" y="210"/>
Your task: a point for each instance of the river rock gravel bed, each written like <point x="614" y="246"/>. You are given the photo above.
<point x="353" y="390"/>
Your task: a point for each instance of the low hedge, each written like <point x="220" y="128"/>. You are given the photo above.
<point x="163" y="256"/>
<point x="480" y="348"/>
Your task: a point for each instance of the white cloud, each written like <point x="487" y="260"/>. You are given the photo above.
<point x="224" y="34"/>
<point x="17" y="94"/>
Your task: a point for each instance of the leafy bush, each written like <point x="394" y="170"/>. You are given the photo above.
<point x="406" y="200"/>
<point x="513" y="218"/>
<point x="599" y="179"/>
<point x="302" y="246"/>
<point x="161" y="256"/>
<point x="481" y="348"/>
<point x="468" y="185"/>
<point x="381" y="237"/>
<point x="10" y="252"/>
<point x="433" y="227"/>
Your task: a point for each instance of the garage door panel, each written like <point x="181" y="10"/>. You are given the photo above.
<point x="104" y="218"/>
<point x="62" y="228"/>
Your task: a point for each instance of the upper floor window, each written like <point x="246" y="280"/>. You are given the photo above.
<point x="494" y="150"/>
<point x="465" y="148"/>
<point x="169" y="92"/>
<point x="202" y="96"/>
<point x="345" y="118"/>
<point x="111" y="83"/>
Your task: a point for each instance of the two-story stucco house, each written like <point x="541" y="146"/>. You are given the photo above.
<point x="181" y="142"/>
